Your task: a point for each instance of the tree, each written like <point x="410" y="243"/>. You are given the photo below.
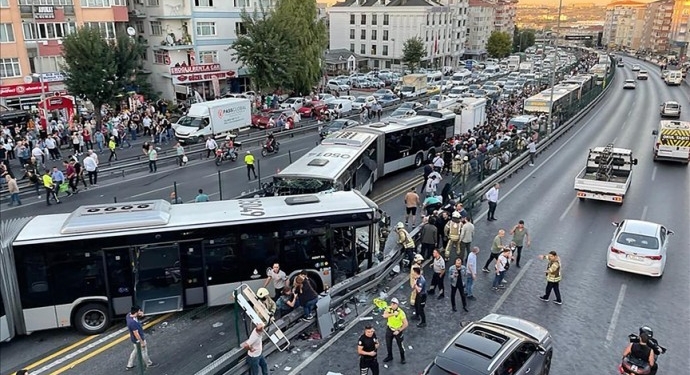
<point x="262" y="49"/>
<point x="307" y="42"/>
<point x="499" y="44"/>
<point x="413" y="52"/>
<point x="97" y="69"/>
<point x="523" y="39"/>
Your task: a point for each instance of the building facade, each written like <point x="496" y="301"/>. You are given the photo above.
<point x="504" y="15"/>
<point x="31" y="33"/>
<point x="377" y="30"/>
<point x="624" y="25"/>
<point x="480" y="24"/>
<point x="680" y="21"/>
<point x="657" y="26"/>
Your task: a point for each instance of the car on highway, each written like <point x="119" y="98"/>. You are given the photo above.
<point x="670" y="109"/>
<point x="294" y="103"/>
<point x="336" y="125"/>
<point x="415" y="106"/>
<point x="402" y="112"/>
<point x="388" y="100"/>
<point x="363" y="101"/>
<point x="312" y="108"/>
<point x="636" y="68"/>
<point x="262" y="120"/>
<point x="381" y="92"/>
<point x="629" y="84"/>
<point x="326" y="98"/>
<point x="496" y="345"/>
<point x="639" y="247"/>
<point x="620" y="64"/>
<point x="643" y="75"/>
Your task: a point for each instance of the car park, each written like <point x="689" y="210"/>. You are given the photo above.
<point x="639" y="247"/>
<point x="294" y="103"/>
<point x="670" y="109"/>
<point x="642" y="75"/>
<point x="496" y="345"/>
<point x="629" y="84"/>
<point x="335" y="126"/>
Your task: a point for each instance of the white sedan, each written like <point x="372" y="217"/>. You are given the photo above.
<point x="639" y="247"/>
<point x="293" y="103"/>
<point x="635" y="68"/>
<point x="629" y="84"/>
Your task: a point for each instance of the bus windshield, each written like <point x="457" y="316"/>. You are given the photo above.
<point x="292" y="186"/>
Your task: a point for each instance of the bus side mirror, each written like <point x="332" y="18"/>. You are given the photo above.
<point x="634" y="161"/>
<point x="654" y="132"/>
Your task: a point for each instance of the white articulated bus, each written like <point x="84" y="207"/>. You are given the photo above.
<point x="85" y="268"/>
<point x="356" y="157"/>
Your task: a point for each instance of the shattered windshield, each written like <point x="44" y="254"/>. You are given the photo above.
<point x="292" y="186"/>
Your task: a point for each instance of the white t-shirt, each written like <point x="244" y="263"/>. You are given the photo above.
<point x="277" y="278"/>
<point x="254" y="342"/>
<point x="501" y="263"/>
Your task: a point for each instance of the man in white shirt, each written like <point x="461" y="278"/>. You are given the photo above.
<point x="211" y="147"/>
<point x="438" y="163"/>
<point x="532" y="148"/>
<point x="91" y="167"/>
<point x="431" y="185"/>
<point x="471" y="272"/>
<point x="254" y="346"/>
<point x="492" y="197"/>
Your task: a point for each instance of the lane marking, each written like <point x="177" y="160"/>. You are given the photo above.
<point x="154" y="191"/>
<point x="71" y="365"/>
<point x="614" y="140"/>
<point x="60" y="352"/>
<point x="340" y="334"/>
<point x="654" y="174"/>
<point x="616" y="313"/>
<point x="644" y="213"/>
<point x="568" y="209"/>
<point x="511" y="287"/>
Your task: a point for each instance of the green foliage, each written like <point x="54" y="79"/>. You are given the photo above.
<point x="499" y="44"/>
<point x="523" y="39"/>
<point x="283" y="47"/>
<point x="98" y="69"/>
<point x="413" y="52"/>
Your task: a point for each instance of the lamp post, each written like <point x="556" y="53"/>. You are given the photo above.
<point x="549" y="125"/>
<point x="38" y="64"/>
<point x="393" y="53"/>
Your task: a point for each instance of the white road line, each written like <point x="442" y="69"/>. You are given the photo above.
<point x="567" y="209"/>
<point x="513" y="283"/>
<point x="623" y="125"/>
<point x="644" y="213"/>
<point x="335" y="338"/>
<point x="616" y="313"/>
<point x="154" y="191"/>
<point x="653" y="174"/>
<point x="614" y="140"/>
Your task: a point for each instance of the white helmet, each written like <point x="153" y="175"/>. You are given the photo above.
<point x="456" y="215"/>
<point x="400" y="225"/>
<point x="262" y="293"/>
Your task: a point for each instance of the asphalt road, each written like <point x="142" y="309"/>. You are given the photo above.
<point x="600" y="306"/>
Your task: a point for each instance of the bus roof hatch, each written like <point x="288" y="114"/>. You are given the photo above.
<point x="115" y="216"/>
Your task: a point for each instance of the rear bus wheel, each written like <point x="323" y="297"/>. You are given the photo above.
<point x="92" y="319"/>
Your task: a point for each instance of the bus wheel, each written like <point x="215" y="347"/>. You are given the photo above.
<point x="91" y="319"/>
<point x="418" y="160"/>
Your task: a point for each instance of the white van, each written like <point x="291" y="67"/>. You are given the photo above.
<point x="673" y="77"/>
<point x="340" y="107"/>
<point x="458" y="91"/>
<point x="672" y="141"/>
<point x="461" y="78"/>
<point x="492" y="70"/>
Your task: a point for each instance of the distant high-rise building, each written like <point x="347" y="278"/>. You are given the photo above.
<point x="624" y="25"/>
<point x="680" y="21"/>
<point x="657" y="26"/>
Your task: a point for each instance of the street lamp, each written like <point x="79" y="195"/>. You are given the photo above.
<point x="393" y="53"/>
<point x="549" y="125"/>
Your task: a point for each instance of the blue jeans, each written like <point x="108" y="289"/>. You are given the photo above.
<point x="15" y="198"/>
<point x="309" y="306"/>
<point x="256" y="363"/>
<point x="498" y="279"/>
<point x="469" y="283"/>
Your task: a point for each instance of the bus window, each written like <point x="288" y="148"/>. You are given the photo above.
<point x="32" y="272"/>
<point x="259" y="248"/>
<point x="302" y="245"/>
<point x="79" y="273"/>
<point x="222" y="263"/>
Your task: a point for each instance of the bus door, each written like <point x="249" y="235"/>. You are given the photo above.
<point x="158" y="285"/>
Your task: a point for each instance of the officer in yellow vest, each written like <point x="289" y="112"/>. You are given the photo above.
<point x="452" y="231"/>
<point x="396" y="325"/>
<point x="249" y="162"/>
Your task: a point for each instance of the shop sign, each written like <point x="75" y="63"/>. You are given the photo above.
<point x="194" y="69"/>
<point x="192" y="78"/>
<point x="44" y="13"/>
<point x="53" y="77"/>
<point x="23" y="89"/>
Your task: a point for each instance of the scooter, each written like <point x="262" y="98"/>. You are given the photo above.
<point x="222" y="154"/>
<point x="265" y="151"/>
<point x="635" y="366"/>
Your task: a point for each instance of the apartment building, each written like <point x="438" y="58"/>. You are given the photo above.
<point x="680" y="22"/>
<point x="657" y="26"/>
<point x="481" y="22"/>
<point x="504" y="15"/>
<point x="624" y="25"/>
<point x="31" y="33"/>
<point x="377" y="30"/>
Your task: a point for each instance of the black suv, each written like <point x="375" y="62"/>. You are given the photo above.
<point x="496" y="345"/>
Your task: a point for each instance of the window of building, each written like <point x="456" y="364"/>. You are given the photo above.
<point x="240" y="28"/>
<point x="373" y="34"/>
<point x="6" y="33"/>
<point x="373" y="19"/>
<point x="203" y="3"/>
<point x="49" y="63"/>
<point x="156" y="28"/>
<point x="362" y="34"/>
<point x="206" y="28"/>
<point x="428" y="19"/>
<point x="33" y="31"/>
<point x="107" y="28"/>
<point x="386" y="20"/>
<point x="385" y="34"/>
<point x="139" y="25"/>
<point x="208" y="57"/>
<point x="118" y="2"/>
<point x="352" y="19"/>
<point x="10" y="68"/>
<point x="5" y="3"/>
<point x="160" y="57"/>
<point x="152" y="3"/>
<point x="352" y="47"/>
<point x="364" y="19"/>
<point x="352" y="33"/>
<point x="373" y="49"/>
<point x="241" y="3"/>
<point x="362" y="49"/>
<point x="385" y="50"/>
<point x="95" y="3"/>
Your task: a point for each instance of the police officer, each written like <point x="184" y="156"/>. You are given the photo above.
<point x="367" y="346"/>
<point x="249" y="162"/>
<point x="396" y="324"/>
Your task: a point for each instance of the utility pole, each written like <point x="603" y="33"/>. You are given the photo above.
<point x="549" y="125"/>
<point x="38" y="64"/>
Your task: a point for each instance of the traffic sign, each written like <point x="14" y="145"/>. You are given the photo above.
<point x="578" y="37"/>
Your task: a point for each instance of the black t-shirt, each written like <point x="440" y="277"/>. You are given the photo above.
<point x="640" y="351"/>
<point x="368" y="343"/>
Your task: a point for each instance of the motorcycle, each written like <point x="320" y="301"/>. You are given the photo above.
<point x="265" y="150"/>
<point x="223" y="154"/>
<point x="631" y="365"/>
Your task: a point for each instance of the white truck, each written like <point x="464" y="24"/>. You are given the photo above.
<point x="525" y="68"/>
<point x="673" y="77"/>
<point x="514" y="62"/>
<point x="413" y="85"/>
<point x="607" y="174"/>
<point x="215" y="118"/>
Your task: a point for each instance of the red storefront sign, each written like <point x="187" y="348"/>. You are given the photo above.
<point x="23" y="89"/>
<point x="195" y="69"/>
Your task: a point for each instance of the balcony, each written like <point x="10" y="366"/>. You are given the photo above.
<point x="174" y="11"/>
<point x="137" y="14"/>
